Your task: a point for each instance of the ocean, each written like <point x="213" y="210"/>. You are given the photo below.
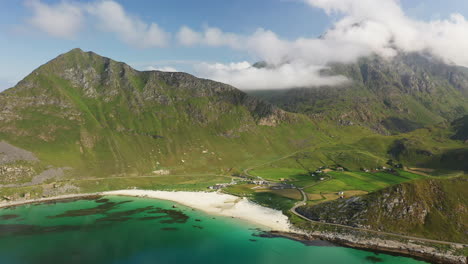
<point x="122" y="230"/>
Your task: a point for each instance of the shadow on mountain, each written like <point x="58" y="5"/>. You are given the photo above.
<point x="400" y="125"/>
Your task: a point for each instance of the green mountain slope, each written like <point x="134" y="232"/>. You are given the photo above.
<point x="460" y="127"/>
<point x="84" y="116"/>
<point x="438" y="147"/>
<point x="101" y="117"/>
<point x="389" y="96"/>
<point x="429" y="208"/>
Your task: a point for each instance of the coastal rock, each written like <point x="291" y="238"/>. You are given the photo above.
<point x="419" y="208"/>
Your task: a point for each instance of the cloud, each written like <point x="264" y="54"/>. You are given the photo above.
<point x="383" y="28"/>
<point x="66" y="19"/>
<point x="360" y="28"/>
<point x="113" y="18"/>
<point x="188" y="37"/>
<point x="163" y="68"/>
<point x="211" y="36"/>
<point x="363" y="27"/>
<point x="295" y="63"/>
<point x="62" y="20"/>
<point x="244" y="76"/>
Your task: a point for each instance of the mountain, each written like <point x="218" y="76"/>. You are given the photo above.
<point x="460" y="127"/>
<point x="100" y="117"/>
<point x="431" y="208"/>
<point x="389" y="96"/>
<point x="83" y="123"/>
<point x="441" y="146"/>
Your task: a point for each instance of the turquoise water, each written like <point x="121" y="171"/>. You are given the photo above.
<point x="136" y="230"/>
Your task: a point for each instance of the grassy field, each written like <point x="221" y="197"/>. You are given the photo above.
<point x="179" y="183"/>
<point x="169" y="183"/>
<point x="354" y="183"/>
<point x="273" y="200"/>
<point x="240" y="189"/>
<point x="298" y="177"/>
<point x="351" y="182"/>
<point x="277" y="199"/>
<point x="340" y="181"/>
<point x="275" y="174"/>
<point x="288" y="193"/>
<point x="436" y="209"/>
<point x="364" y="181"/>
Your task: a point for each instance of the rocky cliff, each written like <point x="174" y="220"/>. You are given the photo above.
<point x="428" y="208"/>
<point x="102" y="117"/>
<point x="388" y="95"/>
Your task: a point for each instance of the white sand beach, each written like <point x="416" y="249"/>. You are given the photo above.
<point x="219" y="204"/>
<point x="209" y="202"/>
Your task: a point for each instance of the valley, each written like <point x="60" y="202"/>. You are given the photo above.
<point x="263" y="132"/>
<point x="83" y="123"/>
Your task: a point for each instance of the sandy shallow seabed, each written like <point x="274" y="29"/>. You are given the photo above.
<point x="219" y="204"/>
<point x="241" y="208"/>
<point x="209" y="202"/>
<point x="38" y="200"/>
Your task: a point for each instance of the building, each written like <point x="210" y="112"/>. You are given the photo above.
<point x="260" y="182"/>
<point x="219" y="186"/>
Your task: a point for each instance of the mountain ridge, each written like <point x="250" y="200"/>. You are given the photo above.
<point x="420" y="207"/>
<point x="87" y="77"/>
<point x="89" y="107"/>
<point x="389" y="96"/>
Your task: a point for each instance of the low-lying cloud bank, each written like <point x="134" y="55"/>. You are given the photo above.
<point x="365" y="27"/>
<point x="290" y="75"/>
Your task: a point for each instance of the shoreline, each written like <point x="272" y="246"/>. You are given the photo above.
<point x="209" y="202"/>
<point x="360" y="246"/>
<point x="221" y="204"/>
<point x="46" y="199"/>
<point x="241" y="208"/>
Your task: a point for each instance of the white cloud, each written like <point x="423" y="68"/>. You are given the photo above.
<point x="66" y="18"/>
<point x="188" y="37"/>
<point x="244" y="76"/>
<point x="61" y="20"/>
<point x="383" y="28"/>
<point x="211" y="36"/>
<point x="113" y="18"/>
<point x="448" y="39"/>
<point x="365" y="27"/>
<point x="163" y="68"/>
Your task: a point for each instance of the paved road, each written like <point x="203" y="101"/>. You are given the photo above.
<point x="293" y="209"/>
<point x="304" y="200"/>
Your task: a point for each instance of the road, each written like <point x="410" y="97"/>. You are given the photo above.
<point x="304" y="200"/>
<point x="293" y="209"/>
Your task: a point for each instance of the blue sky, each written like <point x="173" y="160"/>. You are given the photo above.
<point x="24" y="45"/>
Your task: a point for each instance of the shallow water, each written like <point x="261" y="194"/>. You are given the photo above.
<point x="136" y="230"/>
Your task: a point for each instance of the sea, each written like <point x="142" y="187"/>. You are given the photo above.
<point x="123" y="230"/>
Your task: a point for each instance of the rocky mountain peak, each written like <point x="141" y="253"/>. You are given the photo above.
<point x="77" y="75"/>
